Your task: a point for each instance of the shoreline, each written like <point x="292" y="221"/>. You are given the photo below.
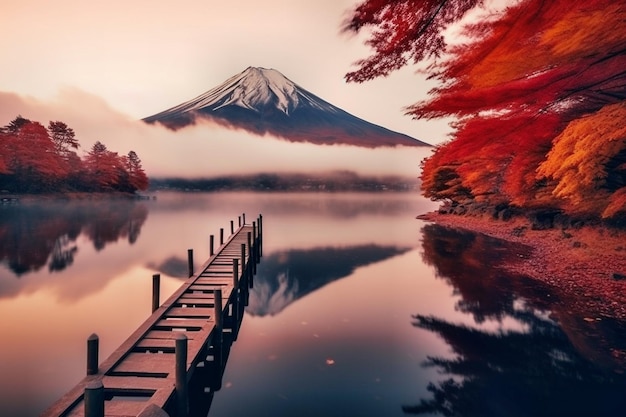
<point x="16" y="198"/>
<point x="586" y="265"/>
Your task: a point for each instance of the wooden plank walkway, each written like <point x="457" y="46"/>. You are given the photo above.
<point x="140" y="376"/>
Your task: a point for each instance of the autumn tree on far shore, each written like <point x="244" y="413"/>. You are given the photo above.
<point x="137" y="178"/>
<point x="34" y="159"/>
<point x="537" y="91"/>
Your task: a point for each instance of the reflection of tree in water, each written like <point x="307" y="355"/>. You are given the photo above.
<point x="116" y="222"/>
<point x="35" y="235"/>
<point x="472" y="264"/>
<point x="534" y="372"/>
<point x="62" y="254"/>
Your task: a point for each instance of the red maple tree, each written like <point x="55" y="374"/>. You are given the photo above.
<point x="34" y="159"/>
<point x="537" y="87"/>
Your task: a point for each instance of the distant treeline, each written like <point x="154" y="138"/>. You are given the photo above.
<point x="336" y="181"/>
<point x="36" y="159"/>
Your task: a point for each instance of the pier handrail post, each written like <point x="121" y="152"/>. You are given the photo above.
<point x="236" y="273"/>
<point x="243" y="261"/>
<point x="211" y="244"/>
<point x="221" y="236"/>
<point x="249" y="245"/>
<point x="260" y="236"/>
<point x="182" y="394"/>
<point x="93" y="342"/>
<point x="235" y="291"/>
<point x="251" y="256"/>
<point x="94" y="399"/>
<point x="232" y="227"/>
<point x="254" y="239"/>
<point x="218" y="309"/>
<point x="239" y="221"/>
<point x="156" y="291"/>
<point x="244" y="218"/>
<point x="190" y="261"/>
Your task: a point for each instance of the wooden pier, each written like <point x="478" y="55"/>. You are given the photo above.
<point x="148" y="374"/>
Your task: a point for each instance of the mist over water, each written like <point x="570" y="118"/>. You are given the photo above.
<point x="205" y="149"/>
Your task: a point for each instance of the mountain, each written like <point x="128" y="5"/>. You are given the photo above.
<point x="264" y="101"/>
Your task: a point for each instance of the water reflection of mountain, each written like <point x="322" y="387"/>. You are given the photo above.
<point x="33" y="235"/>
<point x="536" y="371"/>
<point x="284" y="277"/>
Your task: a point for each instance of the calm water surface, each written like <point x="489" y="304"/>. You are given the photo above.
<point x="358" y="309"/>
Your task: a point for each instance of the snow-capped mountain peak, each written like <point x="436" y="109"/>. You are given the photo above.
<point x="260" y="87"/>
<point x="255" y="89"/>
<point x="263" y="101"/>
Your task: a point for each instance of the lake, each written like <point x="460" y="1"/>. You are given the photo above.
<point x="357" y="309"/>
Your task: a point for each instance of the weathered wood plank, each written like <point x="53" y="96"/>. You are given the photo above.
<point x="196" y="302"/>
<point x="207" y="296"/>
<point x="156" y="343"/>
<point x="171" y="335"/>
<point x="180" y="323"/>
<point x="121" y="408"/>
<point x="209" y="287"/>
<point x="198" y="297"/>
<point x="134" y="383"/>
<point x="216" y="272"/>
<point x="190" y="312"/>
<point x="146" y="363"/>
<point x="217" y="282"/>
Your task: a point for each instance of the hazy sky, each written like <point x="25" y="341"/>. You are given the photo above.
<point x="143" y="56"/>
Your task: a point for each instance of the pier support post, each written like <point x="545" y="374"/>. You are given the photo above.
<point x="218" y="310"/>
<point x="236" y="291"/>
<point x="221" y="236"/>
<point x="190" y="261"/>
<point x="250" y="255"/>
<point x="254" y="242"/>
<point x="94" y="399"/>
<point x="211" y="244"/>
<point x="236" y="273"/>
<point x="243" y="261"/>
<point x="232" y="227"/>
<point x="182" y="392"/>
<point x="156" y="291"/>
<point x="93" y="342"/>
<point x="260" y="236"/>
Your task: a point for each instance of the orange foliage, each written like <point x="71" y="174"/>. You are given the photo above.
<point x="579" y="158"/>
<point x="577" y="35"/>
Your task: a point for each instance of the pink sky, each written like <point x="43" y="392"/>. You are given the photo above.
<point x="142" y="57"/>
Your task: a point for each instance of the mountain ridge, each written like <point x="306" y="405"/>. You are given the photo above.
<point x="264" y="101"/>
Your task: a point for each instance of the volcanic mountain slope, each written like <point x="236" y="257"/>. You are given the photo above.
<point x="264" y="101"/>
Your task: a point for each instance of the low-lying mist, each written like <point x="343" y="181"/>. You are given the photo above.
<point x="204" y="150"/>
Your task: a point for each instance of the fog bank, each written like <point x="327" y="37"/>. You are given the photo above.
<point x="203" y="150"/>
